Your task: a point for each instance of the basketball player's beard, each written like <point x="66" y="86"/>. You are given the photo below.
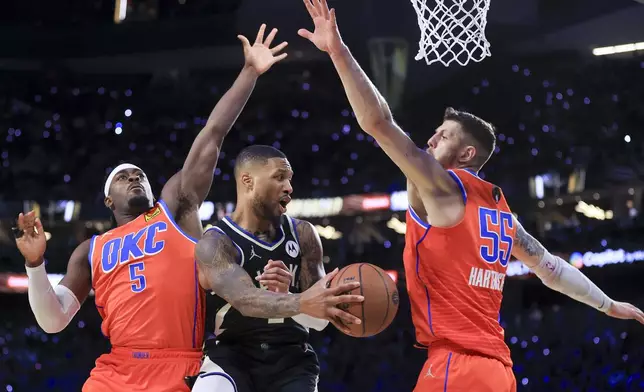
<point x="138" y="204"/>
<point x="266" y="212"/>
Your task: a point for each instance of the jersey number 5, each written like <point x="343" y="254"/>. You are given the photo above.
<point x="494" y="226"/>
<point x="136" y="277"/>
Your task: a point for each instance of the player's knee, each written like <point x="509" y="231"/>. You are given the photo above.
<point x="214" y="381"/>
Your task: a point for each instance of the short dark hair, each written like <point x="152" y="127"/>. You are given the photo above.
<point x="257" y="153"/>
<point x="480" y="131"/>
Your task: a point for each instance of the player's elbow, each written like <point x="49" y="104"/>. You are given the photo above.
<point x="51" y="326"/>
<point x="377" y="126"/>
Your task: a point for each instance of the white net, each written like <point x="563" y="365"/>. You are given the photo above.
<point x="452" y="30"/>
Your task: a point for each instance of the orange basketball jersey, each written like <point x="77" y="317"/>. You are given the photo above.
<point x="144" y="276"/>
<point x="455" y="275"/>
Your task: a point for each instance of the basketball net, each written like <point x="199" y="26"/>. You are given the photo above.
<point x="452" y="30"/>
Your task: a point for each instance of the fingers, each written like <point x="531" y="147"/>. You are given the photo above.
<point x="39" y="229"/>
<point x="280" y="57"/>
<point x="324" y="8"/>
<point x="346" y="299"/>
<point x="260" y="34"/>
<point x="637" y="314"/>
<point x="270" y="38"/>
<point x="344" y="288"/>
<point x="345" y="317"/>
<point x="28" y="224"/>
<point x="275" y="263"/>
<point x="329" y="277"/>
<point x="340" y="325"/>
<point x="276" y="274"/>
<point x="244" y="40"/>
<point x="305" y="34"/>
<point x="311" y="8"/>
<point x="21" y="221"/>
<point x="334" y="21"/>
<point x="276" y="50"/>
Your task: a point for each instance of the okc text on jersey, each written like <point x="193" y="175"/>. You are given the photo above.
<point x="133" y="246"/>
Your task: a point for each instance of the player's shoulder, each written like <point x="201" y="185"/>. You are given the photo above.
<point x="300" y="225"/>
<point x="466" y="175"/>
<point x="215" y="242"/>
<point x="215" y="234"/>
<point x="470" y="178"/>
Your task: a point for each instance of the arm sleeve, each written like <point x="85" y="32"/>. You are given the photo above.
<point x="54" y="308"/>
<point x="559" y="275"/>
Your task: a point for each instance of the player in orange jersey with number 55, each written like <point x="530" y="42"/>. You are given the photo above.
<point x="460" y="235"/>
<point x="143" y="271"/>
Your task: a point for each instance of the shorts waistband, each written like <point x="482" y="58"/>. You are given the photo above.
<point x="143" y="353"/>
<point x="444" y="346"/>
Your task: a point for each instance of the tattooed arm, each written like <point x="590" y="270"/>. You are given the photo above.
<point x="219" y="271"/>
<point x="217" y="257"/>
<point x="311" y="248"/>
<point x="312" y="268"/>
<point x="559" y="275"/>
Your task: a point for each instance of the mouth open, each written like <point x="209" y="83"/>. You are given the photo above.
<point x="284" y="202"/>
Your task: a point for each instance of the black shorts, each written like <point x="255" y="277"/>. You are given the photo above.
<point x="268" y="368"/>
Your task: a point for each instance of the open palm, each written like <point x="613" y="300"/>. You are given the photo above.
<point x="260" y="55"/>
<point x="326" y="35"/>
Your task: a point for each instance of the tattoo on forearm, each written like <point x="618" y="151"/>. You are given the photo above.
<point x="217" y="259"/>
<point x="528" y="243"/>
<point x="311" y="247"/>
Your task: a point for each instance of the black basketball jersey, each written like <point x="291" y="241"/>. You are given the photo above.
<point x="230" y="325"/>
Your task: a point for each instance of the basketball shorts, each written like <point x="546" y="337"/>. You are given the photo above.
<point x="268" y="368"/>
<point x="448" y="371"/>
<point x="143" y="370"/>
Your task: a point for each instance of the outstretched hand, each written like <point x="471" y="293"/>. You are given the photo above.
<point x="625" y="311"/>
<point x="260" y="55"/>
<point x="30" y="238"/>
<point x="326" y="35"/>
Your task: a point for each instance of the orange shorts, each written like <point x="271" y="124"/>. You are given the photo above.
<point x="143" y="370"/>
<point x="448" y="371"/>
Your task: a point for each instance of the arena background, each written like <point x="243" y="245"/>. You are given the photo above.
<point x="82" y="88"/>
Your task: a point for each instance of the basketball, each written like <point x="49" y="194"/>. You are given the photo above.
<point x="380" y="298"/>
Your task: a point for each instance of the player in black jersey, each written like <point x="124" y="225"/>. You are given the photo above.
<point x="261" y="336"/>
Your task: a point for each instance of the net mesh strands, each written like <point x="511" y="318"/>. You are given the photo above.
<point x="452" y="31"/>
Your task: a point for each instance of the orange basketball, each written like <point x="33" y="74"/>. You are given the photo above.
<point x="380" y="298"/>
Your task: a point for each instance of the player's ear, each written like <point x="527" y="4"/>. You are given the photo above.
<point x="468" y="154"/>
<point x="247" y="180"/>
<point x="108" y="202"/>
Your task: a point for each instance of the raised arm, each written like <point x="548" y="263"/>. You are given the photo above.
<point x="219" y="271"/>
<point x="192" y="184"/>
<point x="53" y="307"/>
<point x="374" y="117"/>
<point x="559" y="275"/>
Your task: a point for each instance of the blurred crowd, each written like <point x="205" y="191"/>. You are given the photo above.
<point x="63" y="132"/>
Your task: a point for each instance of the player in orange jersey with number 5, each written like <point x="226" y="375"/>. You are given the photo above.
<point x="460" y="235"/>
<point x="143" y="271"/>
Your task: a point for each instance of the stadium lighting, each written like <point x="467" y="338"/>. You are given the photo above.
<point x="120" y="11"/>
<point x="608" y="50"/>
